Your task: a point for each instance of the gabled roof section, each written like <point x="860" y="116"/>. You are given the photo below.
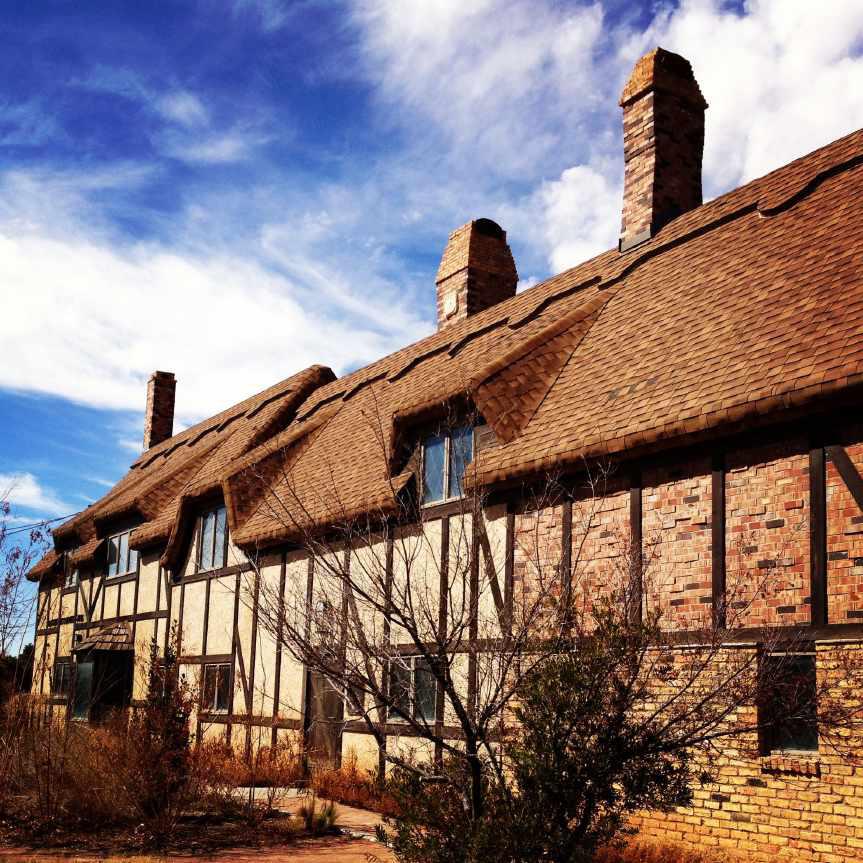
<point x="187" y="466"/>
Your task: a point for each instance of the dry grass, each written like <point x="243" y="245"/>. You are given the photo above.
<point x="648" y="851"/>
<point x="352" y="786"/>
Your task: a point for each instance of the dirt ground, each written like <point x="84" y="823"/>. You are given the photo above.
<point x="356" y="846"/>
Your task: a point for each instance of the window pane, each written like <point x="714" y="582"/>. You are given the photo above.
<point x="788" y="712"/>
<point x="123" y="554"/>
<point x="433" y="468"/>
<point x="400" y="688"/>
<point x="207" y="537"/>
<point x="133" y="560"/>
<point x="425" y="703"/>
<point x="83" y="690"/>
<point x="460" y="455"/>
<point x="223" y="691"/>
<point x="113" y="555"/>
<point x="221" y="528"/>
<point x="208" y="698"/>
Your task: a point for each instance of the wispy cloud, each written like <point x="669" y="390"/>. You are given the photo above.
<point x="183" y="107"/>
<point x="23" y="491"/>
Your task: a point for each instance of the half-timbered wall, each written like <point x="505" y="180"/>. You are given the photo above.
<point x="776" y="526"/>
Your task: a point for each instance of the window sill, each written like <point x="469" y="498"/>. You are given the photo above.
<point x="204" y="574"/>
<point x="799" y="763"/>
<point x="119" y="579"/>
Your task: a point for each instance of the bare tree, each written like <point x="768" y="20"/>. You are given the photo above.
<point x="20" y="548"/>
<point x="434" y="637"/>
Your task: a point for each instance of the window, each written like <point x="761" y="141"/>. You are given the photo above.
<point x="787" y="710"/>
<point x="61" y="678"/>
<point x="213" y="545"/>
<point x="122" y="560"/>
<point x="445" y="457"/>
<point x="71" y="578"/>
<point x="413" y="689"/>
<point x="217" y="688"/>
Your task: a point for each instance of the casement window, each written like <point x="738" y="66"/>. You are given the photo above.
<point x="216" y="689"/>
<point x="787" y="708"/>
<point x="122" y="560"/>
<point x="61" y="678"/>
<point x="213" y="540"/>
<point x="413" y="689"/>
<point x="445" y="457"/>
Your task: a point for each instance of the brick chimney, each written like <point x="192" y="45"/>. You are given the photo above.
<point x="159" y="416"/>
<point x="663" y="141"/>
<point x="476" y="271"/>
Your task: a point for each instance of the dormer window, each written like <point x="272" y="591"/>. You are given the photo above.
<point x="445" y="457"/>
<point x="213" y="543"/>
<point x="122" y="560"/>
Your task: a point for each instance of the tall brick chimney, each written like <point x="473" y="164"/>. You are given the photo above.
<point x="663" y="142"/>
<point x="476" y="271"/>
<point x="159" y="416"/>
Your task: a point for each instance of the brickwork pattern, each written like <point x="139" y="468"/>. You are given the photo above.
<point x="785" y="808"/>
<point x="767" y="535"/>
<point x="476" y="271"/>
<point x="159" y="413"/>
<point x="600" y="546"/>
<point x="676" y="516"/>
<point x="844" y="546"/>
<point x="663" y="142"/>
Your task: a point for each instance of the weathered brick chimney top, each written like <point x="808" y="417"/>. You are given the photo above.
<point x="476" y="271"/>
<point x="663" y="142"/>
<point x="159" y="415"/>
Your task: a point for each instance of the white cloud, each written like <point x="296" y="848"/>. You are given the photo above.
<point x="211" y="149"/>
<point x="501" y="92"/>
<point x="90" y="320"/>
<point x="183" y="107"/>
<point x="582" y="212"/>
<point x="783" y="78"/>
<point x="22" y="490"/>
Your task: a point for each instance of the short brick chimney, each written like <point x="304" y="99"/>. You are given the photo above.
<point x="159" y="416"/>
<point x="663" y="142"/>
<point x="476" y="271"/>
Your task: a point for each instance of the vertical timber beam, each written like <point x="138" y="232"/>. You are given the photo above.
<point x="817" y="534"/>
<point x="636" y="553"/>
<point x="443" y="615"/>
<point x="717" y="539"/>
<point x="566" y="564"/>
<point x="277" y="683"/>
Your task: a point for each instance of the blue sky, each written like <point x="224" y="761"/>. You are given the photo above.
<point x="234" y="190"/>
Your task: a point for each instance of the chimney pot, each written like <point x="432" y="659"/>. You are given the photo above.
<point x="159" y="415"/>
<point x="477" y="271"/>
<point x="663" y="143"/>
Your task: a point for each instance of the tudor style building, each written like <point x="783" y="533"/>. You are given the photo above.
<point x="716" y="355"/>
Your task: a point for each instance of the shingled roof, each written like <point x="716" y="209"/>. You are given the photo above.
<point x="738" y="311"/>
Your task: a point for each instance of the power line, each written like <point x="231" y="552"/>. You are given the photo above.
<point x="25" y="527"/>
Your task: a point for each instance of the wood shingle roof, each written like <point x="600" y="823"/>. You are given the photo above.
<point x="737" y="311"/>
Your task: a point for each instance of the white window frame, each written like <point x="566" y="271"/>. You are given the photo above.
<point x="129" y="552"/>
<point x="447" y="438"/>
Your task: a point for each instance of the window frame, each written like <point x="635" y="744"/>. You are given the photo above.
<point x="65" y="691"/>
<point x="447" y="435"/>
<point x="413" y="659"/>
<point x="213" y="706"/>
<point x="199" y="545"/>
<point x="773" y="734"/>
<point x="129" y="553"/>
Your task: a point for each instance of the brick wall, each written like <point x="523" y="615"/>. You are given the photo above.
<point x="844" y="546"/>
<point x="804" y="808"/>
<point x="767" y="535"/>
<point x="676" y="518"/>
